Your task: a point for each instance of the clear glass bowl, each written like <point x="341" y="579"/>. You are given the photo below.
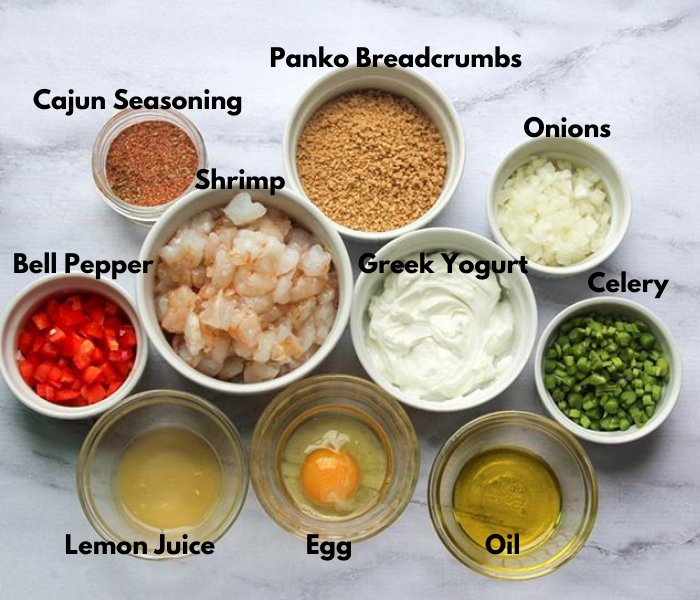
<point x="136" y="415"/>
<point x="143" y="215"/>
<point x="559" y="449"/>
<point x="308" y="398"/>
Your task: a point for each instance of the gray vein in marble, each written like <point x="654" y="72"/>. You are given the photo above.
<point x="418" y="501"/>
<point x="51" y="480"/>
<point x="313" y="591"/>
<point x="53" y="458"/>
<point x="559" y="68"/>
<point x="493" y="11"/>
<point x="633" y="550"/>
<point x="683" y="245"/>
<point x="253" y="140"/>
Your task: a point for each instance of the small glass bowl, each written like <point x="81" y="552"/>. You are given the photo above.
<point x="565" y="456"/>
<point x="136" y="415"/>
<point x="310" y="397"/>
<point x="142" y="215"/>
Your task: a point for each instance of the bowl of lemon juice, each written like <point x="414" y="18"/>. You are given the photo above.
<point x="164" y="472"/>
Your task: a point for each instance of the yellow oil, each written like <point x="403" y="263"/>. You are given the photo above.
<point x="169" y="479"/>
<point x="507" y="490"/>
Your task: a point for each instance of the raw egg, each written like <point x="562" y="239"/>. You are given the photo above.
<point x="333" y="465"/>
<point x="329" y="477"/>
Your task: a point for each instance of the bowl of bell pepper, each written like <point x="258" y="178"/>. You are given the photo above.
<point x="72" y="346"/>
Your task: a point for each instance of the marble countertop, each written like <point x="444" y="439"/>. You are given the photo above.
<point x="632" y="64"/>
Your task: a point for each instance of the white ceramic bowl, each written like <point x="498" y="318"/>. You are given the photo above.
<point x="580" y="152"/>
<point x="26" y="302"/>
<point x="193" y="204"/>
<point x="625" y="308"/>
<point x="445" y="239"/>
<point x="404" y="82"/>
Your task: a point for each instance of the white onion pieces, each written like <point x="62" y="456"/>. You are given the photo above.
<point x="552" y="213"/>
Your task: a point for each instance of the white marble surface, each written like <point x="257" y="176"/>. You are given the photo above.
<point x="633" y="64"/>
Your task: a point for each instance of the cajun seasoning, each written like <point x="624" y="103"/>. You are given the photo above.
<point x="151" y="163"/>
<point x="372" y="160"/>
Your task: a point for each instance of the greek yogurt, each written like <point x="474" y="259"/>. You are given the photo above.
<point x="440" y="335"/>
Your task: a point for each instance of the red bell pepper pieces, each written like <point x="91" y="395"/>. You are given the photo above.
<point x="76" y="350"/>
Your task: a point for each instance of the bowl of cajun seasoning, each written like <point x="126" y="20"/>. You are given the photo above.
<point x="145" y="160"/>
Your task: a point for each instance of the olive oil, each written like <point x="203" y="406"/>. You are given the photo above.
<point x="507" y="490"/>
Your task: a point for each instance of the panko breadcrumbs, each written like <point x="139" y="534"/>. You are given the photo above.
<point x="371" y="160"/>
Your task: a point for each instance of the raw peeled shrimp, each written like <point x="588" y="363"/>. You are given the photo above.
<point x="256" y="371"/>
<point x="245" y="293"/>
<point x="316" y="261"/>
<point x="179" y="303"/>
<point x="307" y="287"/>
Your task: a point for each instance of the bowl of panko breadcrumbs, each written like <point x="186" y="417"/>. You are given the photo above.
<point x="380" y="150"/>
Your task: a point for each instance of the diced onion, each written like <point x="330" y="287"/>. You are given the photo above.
<point x="554" y="213"/>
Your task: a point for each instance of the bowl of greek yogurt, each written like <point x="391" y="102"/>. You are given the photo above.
<point x="443" y="319"/>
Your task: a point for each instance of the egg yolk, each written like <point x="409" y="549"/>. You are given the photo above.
<point x="329" y="477"/>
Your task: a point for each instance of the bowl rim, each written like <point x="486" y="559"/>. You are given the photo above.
<point x="26" y="297"/>
<point x="671" y="392"/>
<point x="359" y="307"/>
<point x="452" y="121"/>
<point x="131" y="403"/>
<point x="610" y="245"/>
<point x="505" y="417"/>
<point x="153" y="330"/>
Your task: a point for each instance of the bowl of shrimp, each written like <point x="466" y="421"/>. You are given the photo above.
<point x="248" y="292"/>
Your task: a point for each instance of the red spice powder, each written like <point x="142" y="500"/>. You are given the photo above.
<point x="151" y="163"/>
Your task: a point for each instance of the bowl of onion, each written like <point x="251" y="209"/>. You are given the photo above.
<point x="249" y="291"/>
<point x="562" y="203"/>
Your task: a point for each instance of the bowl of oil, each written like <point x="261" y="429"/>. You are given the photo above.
<point x="336" y="456"/>
<point x="165" y="468"/>
<point x="513" y="495"/>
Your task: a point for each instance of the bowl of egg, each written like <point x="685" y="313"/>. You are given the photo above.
<point x="449" y="339"/>
<point x="336" y="456"/>
<point x="562" y="203"/>
<point x="248" y="293"/>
